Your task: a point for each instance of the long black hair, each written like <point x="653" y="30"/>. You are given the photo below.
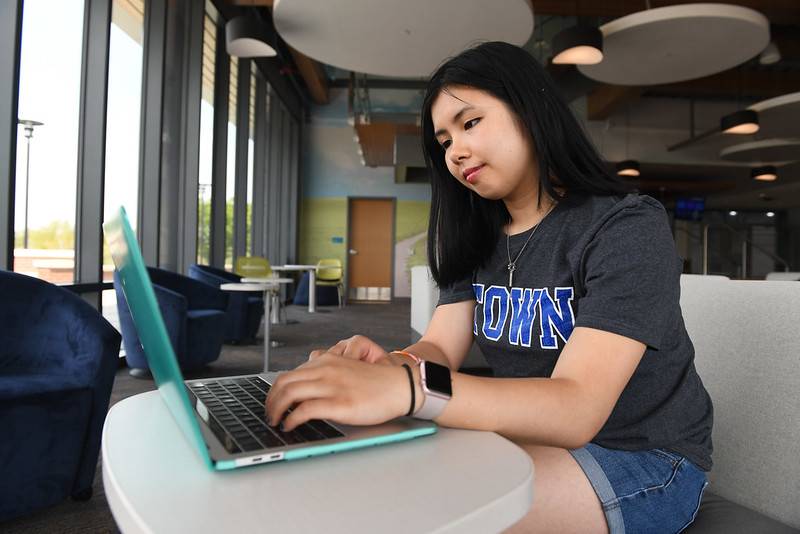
<point x="464" y="227"/>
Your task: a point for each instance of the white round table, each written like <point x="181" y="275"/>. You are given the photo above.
<point x="266" y="285"/>
<point x="312" y="281"/>
<point x="453" y="481"/>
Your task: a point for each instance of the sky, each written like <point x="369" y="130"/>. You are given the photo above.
<point x="50" y="67"/>
<point x="49" y="88"/>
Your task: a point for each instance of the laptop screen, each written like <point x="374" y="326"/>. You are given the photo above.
<point x="149" y="324"/>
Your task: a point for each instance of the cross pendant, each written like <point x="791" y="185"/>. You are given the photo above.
<point x="511" y="268"/>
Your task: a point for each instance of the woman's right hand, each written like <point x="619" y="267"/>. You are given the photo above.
<point x="357" y="348"/>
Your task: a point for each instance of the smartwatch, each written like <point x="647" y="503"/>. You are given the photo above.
<point x="436" y="388"/>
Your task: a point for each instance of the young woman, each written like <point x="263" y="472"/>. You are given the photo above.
<point x="569" y="285"/>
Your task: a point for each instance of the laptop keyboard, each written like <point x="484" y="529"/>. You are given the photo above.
<point x="237" y="416"/>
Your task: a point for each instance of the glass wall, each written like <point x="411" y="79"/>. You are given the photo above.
<point x="230" y="181"/>
<point x="46" y="181"/>
<point x="251" y="145"/>
<point x="122" y="125"/>
<point x="47" y="133"/>
<point x="206" y="142"/>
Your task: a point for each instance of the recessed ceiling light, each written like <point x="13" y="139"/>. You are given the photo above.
<point x="743" y="122"/>
<point x="578" y="45"/>
<point x="732" y="213"/>
<point x="770" y="214"/>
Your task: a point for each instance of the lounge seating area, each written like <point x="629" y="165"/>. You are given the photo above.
<point x="312" y="331"/>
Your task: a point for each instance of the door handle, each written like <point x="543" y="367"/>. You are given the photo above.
<point x="353" y="252"/>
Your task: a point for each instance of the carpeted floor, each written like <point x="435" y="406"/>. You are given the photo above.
<point x="387" y="324"/>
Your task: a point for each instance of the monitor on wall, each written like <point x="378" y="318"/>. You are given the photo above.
<point x="689" y="209"/>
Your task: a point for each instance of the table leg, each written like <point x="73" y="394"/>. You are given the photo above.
<point x="312" y="290"/>
<point x="276" y="308"/>
<point x="266" y="329"/>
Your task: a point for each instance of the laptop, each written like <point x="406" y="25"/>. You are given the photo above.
<point x="223" y="418"/>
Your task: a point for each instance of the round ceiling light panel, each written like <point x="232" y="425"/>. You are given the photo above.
<point x="409" y="38"/>
<point x="764" y="151"/>
<point x="779" y="116"/>
<point x="678" y="43"/>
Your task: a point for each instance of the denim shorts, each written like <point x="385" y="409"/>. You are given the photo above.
<point x="643" y="491"/>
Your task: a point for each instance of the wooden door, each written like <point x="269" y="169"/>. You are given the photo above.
<point x="370" y="248"/>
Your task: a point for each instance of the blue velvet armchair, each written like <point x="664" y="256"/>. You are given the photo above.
<point x="58" y="358"/>
<point x="193" y="313"/>
<point x="244" y="309"/>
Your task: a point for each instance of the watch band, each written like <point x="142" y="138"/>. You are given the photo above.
<point x="434" y="401"/>
<point x="417" y="360"/>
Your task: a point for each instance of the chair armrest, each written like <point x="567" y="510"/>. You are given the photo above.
<point x="49" y="330"/>
<point x="199" y="295"/>
<point x="208" y="278"/>
<point x="19" y="386"/>
<point x="170" y="301"/>
<point x="212" y="276"/>
<point x="202" y="296"/>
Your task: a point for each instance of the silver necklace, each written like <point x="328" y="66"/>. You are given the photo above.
<point x="512" y="264"/>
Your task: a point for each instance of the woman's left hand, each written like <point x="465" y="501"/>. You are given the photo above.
<point x="340" y="389"/>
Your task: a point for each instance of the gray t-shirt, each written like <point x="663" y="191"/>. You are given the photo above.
<point x="609" y="263"/>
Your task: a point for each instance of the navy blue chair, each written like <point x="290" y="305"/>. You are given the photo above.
<point x="193" y="312"/>
<point x="326" y="295"/>
<point x="245" y="309"/>
<point x="58" y="358"/>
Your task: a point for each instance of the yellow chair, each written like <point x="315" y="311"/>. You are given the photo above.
<point x="252" y="267"/>
<point x="329" y="273"/>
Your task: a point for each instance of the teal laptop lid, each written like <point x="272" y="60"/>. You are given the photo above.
<point x="142" y="302"/>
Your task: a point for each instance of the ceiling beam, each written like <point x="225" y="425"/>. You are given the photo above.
<point x="313" y="75"/>
<point x="607" y="99"/>
<point x="381" y="83"/>
<point x="734" y="83"/>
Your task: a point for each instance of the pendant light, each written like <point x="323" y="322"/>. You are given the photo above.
<point x="767" y="173"/>
<point x="742" y="122"/>
<point x="578" y="45"/>
<point x="245" y="37"/>
<point x="629" y="167"/>
<point x="771" y="54"/>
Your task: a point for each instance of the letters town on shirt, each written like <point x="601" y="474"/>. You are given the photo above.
<point x="513" y="311"/>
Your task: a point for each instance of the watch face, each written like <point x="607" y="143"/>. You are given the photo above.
<point x="437" y="378"/>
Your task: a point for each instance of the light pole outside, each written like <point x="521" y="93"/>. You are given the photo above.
<point x="202" y="237"/>
<point x="29" y="125"/>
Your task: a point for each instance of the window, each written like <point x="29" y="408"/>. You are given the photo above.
<point x="206" y="143"/>
<point x="47" y="151"/>
<point x="230" y="182"/>
<point x="250" y="151"/>
<point x="122" y="125"/>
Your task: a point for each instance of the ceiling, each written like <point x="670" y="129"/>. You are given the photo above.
<point x="645" y="123"/>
